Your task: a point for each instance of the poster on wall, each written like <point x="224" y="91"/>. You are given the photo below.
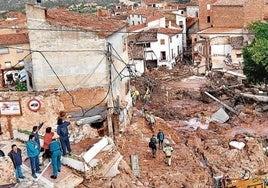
<point x="8" y="108"/>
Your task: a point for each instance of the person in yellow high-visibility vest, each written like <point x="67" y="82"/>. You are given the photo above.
<point x="146" y="96"/>
<point x="168" y="150"/>
<point x="135" y="96"/>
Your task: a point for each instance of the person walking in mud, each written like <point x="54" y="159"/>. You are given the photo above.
<point x="152" y="145"/>
<point x="168" y="150"/>
<point x="160" y="137"/>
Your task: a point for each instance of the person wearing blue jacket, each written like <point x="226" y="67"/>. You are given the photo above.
<point x="36" y="135"/>
<point x="55" y="150"/>
<point x="33" y="154"/>
<point x="62" y="131"/>
<point x="15" y="156"/>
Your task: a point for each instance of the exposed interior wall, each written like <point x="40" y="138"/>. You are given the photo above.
<point x="77" y="57"/>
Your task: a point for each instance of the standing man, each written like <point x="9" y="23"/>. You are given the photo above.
<point x="15" y="156"/>
<point x="160" y="137"/>
<point x="55" y="150"/>
<point x="62" y="130"/>
<point x="168" y="150"/>
<point x="47" y="140"/>
<point x="152" y="145"/>
<point x="36" y="135"/>
<point x="33" y="154"/>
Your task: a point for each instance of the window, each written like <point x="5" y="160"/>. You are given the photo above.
<point x="172" y="53"/>
<point x="19" y="49"/>
<point x="163" y="55"/>
<point x="208" y="19"/>
<point x="181" y="24"/>
<point x="4" y="51"/>
<point x="182" y="12"/>
<point x="170" y="39"/>
<point x="133" y="23"/>
<point x="162" y="41"/>
<point x="147" y="45"/>
<point x="238" y="55"/>
<point x="208" y="6"/>
<point x="8" y="64"/>
<point x="177" y="36"/>
<point x="139" y="22"/>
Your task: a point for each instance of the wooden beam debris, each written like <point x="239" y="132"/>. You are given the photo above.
<point x="222" y="103"/>
<point x="259" y="98"/>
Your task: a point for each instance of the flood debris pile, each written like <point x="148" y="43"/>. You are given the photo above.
<point x="216" y="125"/>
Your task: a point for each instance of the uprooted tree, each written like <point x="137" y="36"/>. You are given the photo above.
<point x="256" y="54"/>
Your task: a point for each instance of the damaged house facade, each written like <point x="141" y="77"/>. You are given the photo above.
<point x="13" y="43"/>
<point x="154" y="43"/>
<point x="72" y="51"/>
<point x="223" y="34"/>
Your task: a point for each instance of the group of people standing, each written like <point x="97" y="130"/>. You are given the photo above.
<point x="52" y="149"/>
<point x="167" y="149"/>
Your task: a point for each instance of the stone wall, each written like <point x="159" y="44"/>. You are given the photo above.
<point x="51" y="104"/>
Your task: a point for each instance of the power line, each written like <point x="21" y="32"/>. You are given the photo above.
<point x="72" y="97"/>
<point x="47" y="51"/>
<point x="128" y="32"/>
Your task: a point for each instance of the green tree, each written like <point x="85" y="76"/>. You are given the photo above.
<point x="256" y="54"/>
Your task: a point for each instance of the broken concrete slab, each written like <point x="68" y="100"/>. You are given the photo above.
<point x="237" y="145"/>
<point x="95" y="149"/>
<point x="220" y="116"/>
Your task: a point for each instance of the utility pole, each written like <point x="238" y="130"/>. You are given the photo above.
<point x="110" y="90"/>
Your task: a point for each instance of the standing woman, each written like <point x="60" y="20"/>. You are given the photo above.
<point x="47" y="140"/>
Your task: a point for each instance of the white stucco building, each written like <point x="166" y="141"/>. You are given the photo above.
<point x="72" y="50"/>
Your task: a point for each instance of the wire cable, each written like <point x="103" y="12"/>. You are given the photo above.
<point x="72" y="97"/>
<point x="128" y="32"/>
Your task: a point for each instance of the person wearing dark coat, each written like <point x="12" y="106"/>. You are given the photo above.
<point x="62" y="131"/>
<point x="15" y="156"/>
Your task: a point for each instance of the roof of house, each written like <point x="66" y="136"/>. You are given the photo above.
<point x="103" y="26"/>
<point x="154" y="17"/>
<point x="16" y="38"/>
<point x="169" y="31"/>
<point x="191" y="21"/>
<point x="13" y="18"/>
<point x="175" y="6"/>
<point x="136" y="27"/>
<point x="193" y="3"/>
<point x="230" y="2"/>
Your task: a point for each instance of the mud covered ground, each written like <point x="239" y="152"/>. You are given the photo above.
<point x="202" y="149"/>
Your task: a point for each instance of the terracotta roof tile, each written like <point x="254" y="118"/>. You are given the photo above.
<point x="154" y="17"/>
<point x="169" y="31"/>
<point x="103" y="26"/>
<point x="11" y="39"/>
<point x="136" y="27"/>
<point x="190" y="21"/>
<point x="193" y="3"/>
<point x="13" y="18"/>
